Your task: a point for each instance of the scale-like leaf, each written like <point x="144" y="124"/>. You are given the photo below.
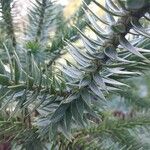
<point x="70" y="73"/>
<point x="138" y="28"/>
<point x="111" y="5"/>
<point x="80" y="107"/>
<point x="97" y="27"/>
<point x="113" y="82"/>
<point x="84" y="82"/>
<point x="111" y="52"/>
<point x="90" y="111"/>
<point x="70" y="98"/>
<point x="59" y="113"/>
<point x="129" y="47"/>
<point x="78" y="53"/>
<point x="121" y="71"/>
<point x="107" y="10"/>
<point x="98" y="17"/>
<point x="121" y="4"/>
<point x="31" y="99"/>
<point x="68" y="119"/>
<point x="76" y="115"/>
<point x="86" y="97"/>
<point x="94" y="88"/>
<point x="99" y="80"/>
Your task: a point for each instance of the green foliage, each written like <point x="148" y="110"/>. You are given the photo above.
<point x="8" y="21"/>
<point x="42" y="20"/>
<point x="43" y="100"/>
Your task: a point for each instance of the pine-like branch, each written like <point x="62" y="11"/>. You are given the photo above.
<point x="92" y="80"/>
<point x="64" y="32"/>
<point x="98" y="70"/>
<point x="7" y="16"/>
